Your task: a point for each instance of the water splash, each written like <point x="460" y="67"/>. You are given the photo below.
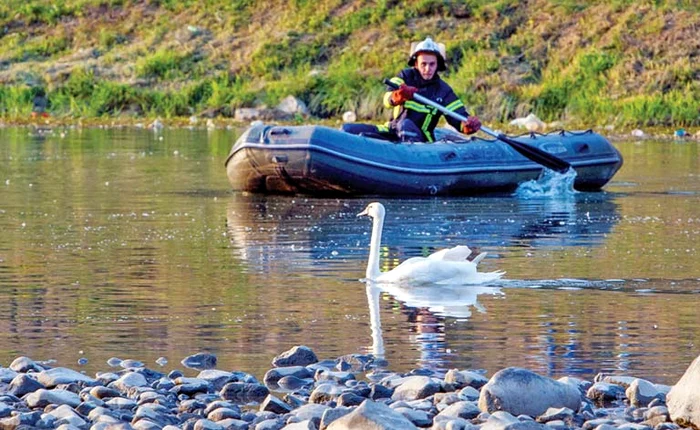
<point x="549" y="184"/>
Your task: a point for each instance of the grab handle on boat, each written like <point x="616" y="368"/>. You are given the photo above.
<point x="277" y="131"/>
<point x="533" y="153"/>
<point x="279" y="159"/>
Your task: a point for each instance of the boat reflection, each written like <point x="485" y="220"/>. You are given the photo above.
<point x="271" y="233"/>
<point x="579" y="220"/>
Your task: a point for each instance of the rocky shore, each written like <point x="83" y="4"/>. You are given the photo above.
<point x="350" y="392"/>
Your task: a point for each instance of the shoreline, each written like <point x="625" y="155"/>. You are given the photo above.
<point x="301" y="391"/>
<point x="157" y="124"/>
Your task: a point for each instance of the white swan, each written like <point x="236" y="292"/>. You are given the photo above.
<point x="447" y="266"/>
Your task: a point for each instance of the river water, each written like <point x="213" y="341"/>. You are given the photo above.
<point x="126" y="243"/>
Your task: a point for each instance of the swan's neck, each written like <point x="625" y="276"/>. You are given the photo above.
<point x="373" y="263"/>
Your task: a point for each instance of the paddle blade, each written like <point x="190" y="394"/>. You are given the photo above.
<point x="536" y="154"/>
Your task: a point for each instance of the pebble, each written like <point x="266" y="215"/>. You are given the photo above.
<point x="305" y="393"/>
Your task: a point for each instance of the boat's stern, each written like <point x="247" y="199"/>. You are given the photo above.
<point x="276" y="160"/>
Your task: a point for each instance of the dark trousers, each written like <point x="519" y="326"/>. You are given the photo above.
<point x="404" y="130"/>
<point x="408" y="131"/>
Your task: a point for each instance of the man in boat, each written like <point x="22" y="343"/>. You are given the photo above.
<point x="413" y="121"/>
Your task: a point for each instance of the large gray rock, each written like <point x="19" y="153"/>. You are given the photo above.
<point x="522" y="392"/>
<point x="372" y="415"/>
<point x="416" y="387"/>
<point x="684" y="397"/>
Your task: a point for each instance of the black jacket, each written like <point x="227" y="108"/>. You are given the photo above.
<point x="425" y="117"/>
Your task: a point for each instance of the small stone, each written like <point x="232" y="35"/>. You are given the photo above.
<point x="244" y="393"/>
<point x="130" y="364"/>
<point x="461" y="409"/>
<point x="5" y="410"/>
<point x="465" y="378"/>
<point x="24" y="365"/>
<point x="332" y="414"/>
<point x="273" y="375"/>
<point x="297" y="356"/>
<point x="200" y="361"/>
<point x="350" y="399"/>
<point x="114" y="362"/>
<point x="416" y="387"/>
<point x="61" y="375"/>
<point x="128" y="380"/>
<point x="602" y="392"/>
<point x="42" y="397"/>
<point x="275" y="405"/>
<point x="349" y="116"/>
<point x="293" y="383"/>
<point x="24" y="384"/>
<point x="221" y="414"/>
<point x="7" y="375"/>
<point x="372" y="415"/>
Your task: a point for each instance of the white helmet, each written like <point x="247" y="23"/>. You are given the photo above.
<point x="438" y="49"/>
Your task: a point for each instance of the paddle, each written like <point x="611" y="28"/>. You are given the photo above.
<point x="533" y="153"/>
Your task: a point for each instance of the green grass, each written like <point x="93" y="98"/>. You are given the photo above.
<point x="591" y="62"/>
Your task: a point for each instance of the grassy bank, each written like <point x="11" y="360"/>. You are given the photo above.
<point x="619" y="62"/>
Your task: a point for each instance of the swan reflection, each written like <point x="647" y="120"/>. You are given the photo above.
<point x="426" y="307"/>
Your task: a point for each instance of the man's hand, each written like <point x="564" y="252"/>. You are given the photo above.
<point x="471" y="125"/>
<point x="403" y="94"/>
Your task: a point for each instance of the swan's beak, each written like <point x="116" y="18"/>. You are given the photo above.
<point x="364" y="212"/>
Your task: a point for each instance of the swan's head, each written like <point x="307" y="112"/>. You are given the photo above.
<point x="373" y="210"/>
